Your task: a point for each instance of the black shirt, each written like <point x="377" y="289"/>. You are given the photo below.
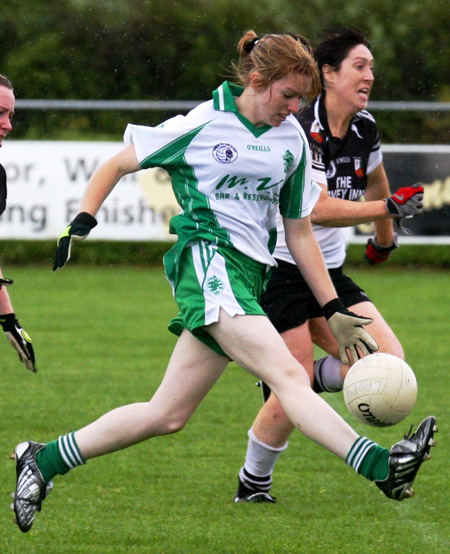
<point x="346" y="161"/>
<point x="2" y="189"/>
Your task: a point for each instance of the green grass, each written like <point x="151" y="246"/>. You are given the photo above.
<point x="101" y="341"/>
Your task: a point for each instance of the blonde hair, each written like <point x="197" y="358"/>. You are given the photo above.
<point x="276" y="57"/>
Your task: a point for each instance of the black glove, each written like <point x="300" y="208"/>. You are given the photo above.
<point x="348" y="331"/>
<point x="78" y="229"/>
<point x="19" y="340"/>
<point x="376" y="253"/>
<point x="5" y="282"/>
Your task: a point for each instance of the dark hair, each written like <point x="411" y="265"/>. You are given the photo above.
<point x="337" y="45"/>
<point x="5" y="82"/>
<point x="275" y="57"/>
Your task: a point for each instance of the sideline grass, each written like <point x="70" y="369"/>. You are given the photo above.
<point x="101" y="341"/>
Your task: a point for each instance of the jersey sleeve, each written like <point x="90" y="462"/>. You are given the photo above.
<point x="300" y="193"/>
<point x="319" y="176"/>
<point x="375" y="157"/>
<point x="161" y="146"/>
<point x="165" y="145"/>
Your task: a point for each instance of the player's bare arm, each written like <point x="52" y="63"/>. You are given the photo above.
<point x="308" y="257"/>
<point x="102" y="182"/>
<point x="106" y="177"/>
<point x="335" y="212"/>
<point x="378" y="188"/>
<point x="345" y="326"/>
<point x="5" y="302"/>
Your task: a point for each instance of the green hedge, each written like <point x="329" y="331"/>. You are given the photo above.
<point x="150" y="253"/>
<point x="423" y="255"/>
<point x="89" y="252"/>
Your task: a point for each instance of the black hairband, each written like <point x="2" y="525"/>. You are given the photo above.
<point x="249" y="47"/>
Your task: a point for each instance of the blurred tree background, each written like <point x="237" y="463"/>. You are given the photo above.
<point x="182" y="49"/>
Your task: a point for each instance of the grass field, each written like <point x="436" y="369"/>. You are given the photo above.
<point x="101" y="341"/>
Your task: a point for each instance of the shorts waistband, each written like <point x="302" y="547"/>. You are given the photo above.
<point x="287" y="265"/>
<point x="252" y="264"/>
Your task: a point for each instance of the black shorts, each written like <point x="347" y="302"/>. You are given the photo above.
<point x="289" y="302"/>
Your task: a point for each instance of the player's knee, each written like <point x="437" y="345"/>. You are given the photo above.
<point x="294" y="375"/>
<point x="394" y="348"/>
<point x="398" y="351"/>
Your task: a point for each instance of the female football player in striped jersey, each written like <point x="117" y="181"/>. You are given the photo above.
<point x="234" y="162"/>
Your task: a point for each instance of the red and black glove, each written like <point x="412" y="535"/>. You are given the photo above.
<point x="406" y="202"/>
<point x="376" y="253"/>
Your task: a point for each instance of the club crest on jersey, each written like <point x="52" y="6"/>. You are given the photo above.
<point x="317" y="137"/>
<point x="224" y="153"/>
<point x="358" y="169"/>
<point x="288" y="160"/>
<point x="315" y="132"/>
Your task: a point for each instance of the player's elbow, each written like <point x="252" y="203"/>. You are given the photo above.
<point x="321" y="218"/>
<point x="175" y="426"/>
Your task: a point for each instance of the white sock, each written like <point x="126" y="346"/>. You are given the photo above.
<point x="327" y="372"/>
<point x="260" y="458"/>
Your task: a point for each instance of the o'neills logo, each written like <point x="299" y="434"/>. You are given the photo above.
<point x="370" y="417"/>
<point x="224" y="153"/>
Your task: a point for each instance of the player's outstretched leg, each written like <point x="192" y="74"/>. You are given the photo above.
<point x="405" y="459"/>
<point x="31" y="488"/>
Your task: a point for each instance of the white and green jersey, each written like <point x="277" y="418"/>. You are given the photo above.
<point x="228" y="176"/>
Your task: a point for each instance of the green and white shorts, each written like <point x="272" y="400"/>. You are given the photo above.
<point x="210" y="277"/>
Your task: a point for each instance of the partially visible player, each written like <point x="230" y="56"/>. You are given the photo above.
<point x="234" y="161"/>
<point x="18" y="338"/>
<point x="347" y="162"/>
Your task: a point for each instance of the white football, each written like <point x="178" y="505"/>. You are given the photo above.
<point x="380" y="390"/>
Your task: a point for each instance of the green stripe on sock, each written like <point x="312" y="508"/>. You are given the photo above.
<point x="50" y="460"/>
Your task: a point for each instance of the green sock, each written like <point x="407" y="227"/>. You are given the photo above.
<point x="369" y="459"/>
<point x="58" y="457"/>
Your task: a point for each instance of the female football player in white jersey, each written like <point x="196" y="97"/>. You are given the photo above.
<point x="347" y="162"/>
<point x="17" y="337"/>
<point x="234" y="161"/>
